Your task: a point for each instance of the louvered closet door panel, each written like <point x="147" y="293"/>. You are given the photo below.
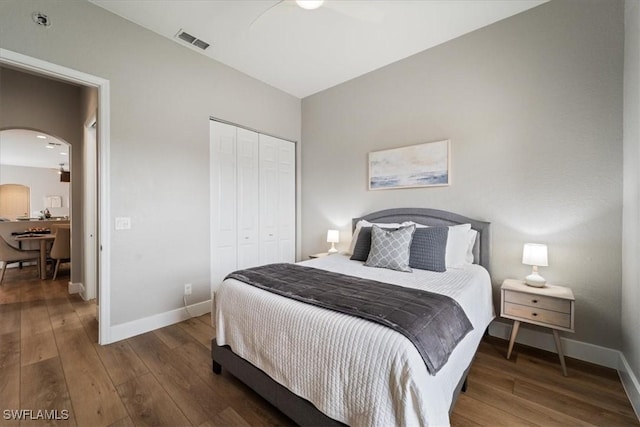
<point x="248" y="194"/>
<point x="223" y="200"/>
<point x="269" y="251"/>
<point x="286" y="201"/>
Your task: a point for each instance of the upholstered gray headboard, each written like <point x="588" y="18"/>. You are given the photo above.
<point x="482" y="248"/>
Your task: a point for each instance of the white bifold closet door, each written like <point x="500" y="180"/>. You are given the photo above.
<point x="248" y="199"/>
<point x="277" y="200"/>
<point x="224" y="235"/>
<point x="252" y="200"/>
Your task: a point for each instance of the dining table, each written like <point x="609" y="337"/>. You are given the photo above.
<point x="43" y="239"/>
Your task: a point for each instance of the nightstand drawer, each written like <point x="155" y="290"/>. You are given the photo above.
<point x="552" y="318"/>
<point x="538" y="301"/>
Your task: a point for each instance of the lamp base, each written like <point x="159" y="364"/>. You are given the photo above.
<point x="332" y="249"/>
<point x="535" y="280"/>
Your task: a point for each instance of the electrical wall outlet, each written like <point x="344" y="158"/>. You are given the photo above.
<point x="187" y="289"/>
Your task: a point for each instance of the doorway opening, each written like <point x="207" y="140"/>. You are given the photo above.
<point x="34" y="194"/>
<point x="96" y="171"/>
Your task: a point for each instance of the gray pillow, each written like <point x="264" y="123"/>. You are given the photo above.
<point x="363" y="244"/>
<point x="390" y="248"/>
<point x="428" y="249"/>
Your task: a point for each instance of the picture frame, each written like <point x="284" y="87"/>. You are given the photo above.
<point x="53" y="201"/>
<point x="421" y="165"/>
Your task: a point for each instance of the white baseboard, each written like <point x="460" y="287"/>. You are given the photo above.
<point x="602" y="356"/>
<point x="75" y="288"/>
<point x="630" y="384"/>
<point x="140" y="326"/>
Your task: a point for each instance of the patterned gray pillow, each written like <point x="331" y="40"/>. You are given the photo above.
<point x="390" y="248"/>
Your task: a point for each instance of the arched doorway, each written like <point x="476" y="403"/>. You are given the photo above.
<point x="31" y="170"/>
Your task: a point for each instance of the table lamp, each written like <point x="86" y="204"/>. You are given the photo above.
<point x="535" y="254"/>
<point x="333" y="237"/>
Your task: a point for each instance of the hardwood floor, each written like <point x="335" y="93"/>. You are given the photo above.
<point x="50" y="360"/>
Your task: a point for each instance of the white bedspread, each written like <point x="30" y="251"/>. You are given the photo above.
<point x="353" y="370"/>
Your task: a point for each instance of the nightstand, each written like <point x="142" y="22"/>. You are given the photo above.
<point x="319" y="255"/>
<point x="551" y="306"/>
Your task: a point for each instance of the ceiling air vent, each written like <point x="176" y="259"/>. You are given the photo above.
<point x="201" y="44"/>
<point x="182" y="35"/>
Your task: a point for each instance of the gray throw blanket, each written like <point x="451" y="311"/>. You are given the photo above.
<point x="434" y="323"/>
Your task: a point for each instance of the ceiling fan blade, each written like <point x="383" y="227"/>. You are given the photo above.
<point x="264" y="12"/>
<point x="357" y="9"/>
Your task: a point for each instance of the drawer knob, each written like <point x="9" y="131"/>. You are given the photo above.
<point x="535" y="314"/>
<point x="535" y="301"/>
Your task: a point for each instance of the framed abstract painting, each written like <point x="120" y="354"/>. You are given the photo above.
<point x="422" y="165"/>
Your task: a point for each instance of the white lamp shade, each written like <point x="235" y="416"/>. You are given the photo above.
<point x="309" y="4"/>
<point x="535" y="254"/>
<point x="333" y="236"/>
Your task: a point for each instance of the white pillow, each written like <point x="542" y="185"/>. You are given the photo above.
<point x="457" y="245"/>
<point x="473" y="235"/>
<point x="365" y="223"/>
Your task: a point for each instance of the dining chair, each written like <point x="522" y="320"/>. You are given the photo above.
<point x="61" y="249"/>
<point x="10" y="254"/>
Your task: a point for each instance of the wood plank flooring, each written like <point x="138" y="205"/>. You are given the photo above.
<point x="49" y="360"/>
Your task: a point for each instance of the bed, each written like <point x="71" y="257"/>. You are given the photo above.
<point x="320" y="367"/>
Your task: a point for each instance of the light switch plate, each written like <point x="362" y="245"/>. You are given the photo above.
<point x="123" y="223"/>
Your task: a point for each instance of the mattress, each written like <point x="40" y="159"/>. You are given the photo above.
<point x="354" y="371"/>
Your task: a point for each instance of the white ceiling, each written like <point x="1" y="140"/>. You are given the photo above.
<point x="306" y="51"/>
<point x="19" y="147"/>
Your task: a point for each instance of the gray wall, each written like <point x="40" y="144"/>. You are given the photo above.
<point x="52" y="107"/>
<point x="631" y="212"/>
<point x="42" y="182"/>
<point x="533" y="108"/>
<point x="162" y="95"/>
